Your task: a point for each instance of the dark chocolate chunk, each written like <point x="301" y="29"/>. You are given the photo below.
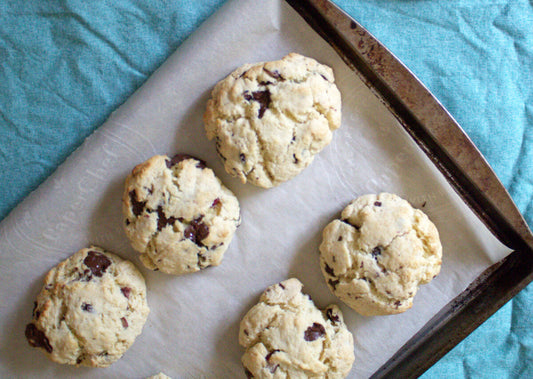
<point x="269" y="355"/>
<point x="34" y="308"/>
<point x="36" y="338"/>
<point x="334" y="318"/>
<point x="126" y="291"/>
<point x="215" y="202"/>
<point x="162" y="219"/>
<point x="124" y="322"/>
<point x="181" y="157"/>
<point x="136" y="206"/>
<point x="248" y="374"/>
<point x="79" y="359"/>
<point x="242" y="157"/>
<point x="282" y="286"/>
<point x="272" y="367"/>
<point x="128" y="222"/>
<point x="346" y="221"/>
<point x="196" y="231"/>
<point x="376" y="251"/>
<point x="97" y="262"/>
<point x="296" y="160"/>
<point x="87" y="307"/>
<point x="329" y="270"/>
<point x="353" y="25"/>
<point x="314" y="332"/>
<point x="397" y="303"/>
<point x="262" y="97"/>
<point x="339" y="239"/>
<point x="333" y="283"/>
<point x="377" y="203"/>
<point x="275" y="74"/>
<point x="85" y="276"/>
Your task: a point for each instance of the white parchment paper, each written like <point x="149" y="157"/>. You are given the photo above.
<point x="193" y="325"/>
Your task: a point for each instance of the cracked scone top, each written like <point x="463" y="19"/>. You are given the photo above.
<point x="178" y="214"/>
<point x="269" y="119"/>
<point x="90" y="310"/>
<point x="287" y="336"/>
<point x="378" y="253"/>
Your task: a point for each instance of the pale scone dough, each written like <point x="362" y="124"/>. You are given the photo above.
<point x="178" y="214"/>
<point x="378" y="253"/>
<point x="287" y="336"/>
<point x="269" y="119"/>
<point x="90" y="310"/>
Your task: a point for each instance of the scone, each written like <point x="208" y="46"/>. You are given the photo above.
<point x="178" y="214"/>
<point x="269" y="119"/>
<point x="378" y="253"/>
<point x="90" y="310"/>
<point x="287" y="336"/>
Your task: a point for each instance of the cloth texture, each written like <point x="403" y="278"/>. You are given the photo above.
<point x="66" y="65"/>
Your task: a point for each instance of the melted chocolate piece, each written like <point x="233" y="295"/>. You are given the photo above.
<point x="275" y="74"/>
<point x="333" y="283"/>
<point x="314" y="332"/>
<point x="271" y="367"/>
<point x="269" y="355"/>
<point x="181" y="157"/>
<point x="87" y="307"/>
<point x="97" y="262"/>
<point x="262" y="97"/>
<point x="136" y="206"/>
<point x="36" y="338"/>
<point x="332" y="317"/>
<point x="345" y="220"/>
<point x="376" y="251"/>
<point x="329" y="270"/>
<point x="248" y="374"/>
<point x="196" y="231"/>
<point x="377" y="203"/>
<point x="124" y="322"/>
<point x="162" y="219"/>
<point x="126" y="291"/>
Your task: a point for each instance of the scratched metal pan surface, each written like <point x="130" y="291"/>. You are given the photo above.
<point x="454" y="154"/>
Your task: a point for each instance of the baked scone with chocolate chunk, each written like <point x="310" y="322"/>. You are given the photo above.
<point x="287" y="336"/>
<point x="178" y="214"/>
<point x="90" y="310"/>
<point x="269" y="119"/>
<point x="378" y="253"/>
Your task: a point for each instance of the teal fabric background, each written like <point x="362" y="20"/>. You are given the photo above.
<point x="66" y="65"/>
